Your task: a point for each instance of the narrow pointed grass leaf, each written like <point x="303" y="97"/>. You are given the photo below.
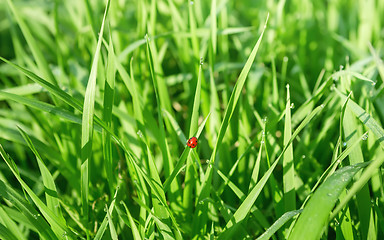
<point x="189" y="183"/>
<point x="109" y="87"/>
<point x="158" y="192"/>
<point x="27" y="89"/>
<point x="163" y="101"/>
<point x="330" y="170"/>
<point x="48" y="214"/>
<point x="278" y="224"/>
<point x="205" y="189"/>
<point x="55" y="90"/>
<point x="27" y="210"/>
<point x="351" y="131"/>
<point x="111" y="226"/>
<point x="183" y="156"/>
<point x="371" y="170"/>
<point x="51" y="195"/>
<point x="247" y="204"/>
<point x="87" y="123"/>
<point x="315" y="215"/>
<point x="288" y="164"/>
<point x="10" y="225"/>
<point x="132" y="224"/>
<point x="6" y="234"/>
<point x="33" y="46"/>
<point x="107" y="219"/>
<point x="42" y="106"/>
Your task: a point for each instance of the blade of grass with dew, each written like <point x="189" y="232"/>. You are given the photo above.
<point x="107" y="113"/>
<point x="87" y="125"/>
<point x="189" y="183"/>
<point x="315" y="215"/>
<point x="49" y="215"/>
<point x="51" y="195"/>
<point x="200" y="216"/>
<point x="371" y="170"/>
<point x="33" y="46"/>
<point x="289" y="197"/>
<point x="278" y="224"/>
<point x="356" y="156"/>
<point x="330" y="170"/>
<point x="249" y="201"/>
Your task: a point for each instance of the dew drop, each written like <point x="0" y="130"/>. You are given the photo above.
<point x="344" y="144"/>
<point x="191" y="2"/>
<point x="373" y="83"/>
<point x="292" y="105"/>
<point x="285" y="59"/>
<point x="265" y="119"/>
<point x="262" y="142"/>
<point x="140" y="134"/>
<point x="364" y="137"/>
<point x="201" y="61"/>
<point x="303" y="156"/>
<point x="341" y="67"/>
<point x="322" y="105"/>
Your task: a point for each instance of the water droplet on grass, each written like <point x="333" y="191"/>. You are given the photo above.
<point x="265" y="119"/>
<point x="364" y="137"/>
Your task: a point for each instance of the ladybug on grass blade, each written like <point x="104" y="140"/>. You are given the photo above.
<point x="192" y="142"/>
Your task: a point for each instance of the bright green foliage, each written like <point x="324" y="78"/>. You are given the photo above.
<point x="98" y="99"/>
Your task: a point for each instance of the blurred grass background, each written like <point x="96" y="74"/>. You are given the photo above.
<point x="154" y="73"/>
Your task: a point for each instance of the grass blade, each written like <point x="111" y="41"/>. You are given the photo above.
<point x="316" y="213"/>
<point x="87" y="123"/>
<point x="198" y="225"/>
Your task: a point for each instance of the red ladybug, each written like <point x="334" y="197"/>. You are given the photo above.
<point x="192" y="142"/>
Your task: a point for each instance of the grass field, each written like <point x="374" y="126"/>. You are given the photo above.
<point x="98" y="100"/>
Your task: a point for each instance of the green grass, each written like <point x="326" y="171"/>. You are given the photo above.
<point x="98" y="99"/>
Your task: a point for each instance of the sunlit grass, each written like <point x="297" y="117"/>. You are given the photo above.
<point x="98" y="99"/>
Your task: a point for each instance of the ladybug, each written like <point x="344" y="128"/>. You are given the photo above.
<point x="192" y="142"/>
